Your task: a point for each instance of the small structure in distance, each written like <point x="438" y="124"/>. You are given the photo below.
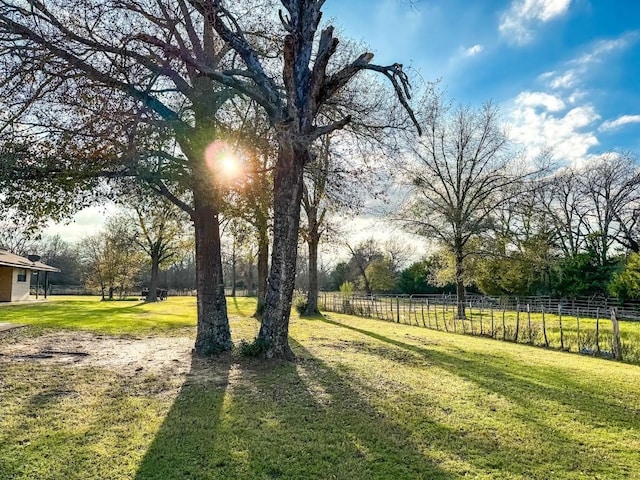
<point x="15" y="276"/>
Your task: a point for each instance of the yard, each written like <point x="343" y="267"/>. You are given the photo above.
<point x="95" y="390"/>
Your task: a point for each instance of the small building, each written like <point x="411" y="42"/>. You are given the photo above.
<point x="15" y="276"/>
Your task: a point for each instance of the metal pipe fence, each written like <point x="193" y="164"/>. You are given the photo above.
<point x="588" y="326"/>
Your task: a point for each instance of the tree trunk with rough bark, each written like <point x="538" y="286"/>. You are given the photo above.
<point x="213" y="334"/>
<point x="263" y="270"/>
<point x="312" y="294"/>
<point x="152" y="295"/>
<point x="233" y="269"/>
<point x="287" y="187"/>
<point x="461" y="312"/>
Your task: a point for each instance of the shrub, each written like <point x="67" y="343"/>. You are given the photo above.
<point x="300" y="305"/>
<point x="255" y="349"/>
<point x="346" y="289"/>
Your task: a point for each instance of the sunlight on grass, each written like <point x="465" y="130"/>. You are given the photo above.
<point x="366" y="400"/>
<point x="117" y="317"/>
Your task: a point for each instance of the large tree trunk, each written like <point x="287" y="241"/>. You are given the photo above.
<point x="312" y="294"/>
<point x="287" y="187"/>
<point x="263" y="270"/>
<point x="460" y="291"/>
<point x="213" y="334"/>
<point x="233" y="269"/>
<point x="152" y="295"/>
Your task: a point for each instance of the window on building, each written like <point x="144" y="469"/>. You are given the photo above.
<point x="22" y="275"/>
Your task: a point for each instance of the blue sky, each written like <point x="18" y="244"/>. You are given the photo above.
<point x="565" y="72"/>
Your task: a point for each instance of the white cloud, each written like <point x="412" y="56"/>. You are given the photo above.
<point x="88" y="221"/>
<point x="560" y="116"/>
<point x="603" y="47"/>
<point x="566" y="80"/>
<point x="471" y="51"/>
<point x="517" y="22"/>
<point x="575" y="71"/>
<point x="537" y="128"/>
<point x="539" y="99"/>
<point x="619" y="122"/>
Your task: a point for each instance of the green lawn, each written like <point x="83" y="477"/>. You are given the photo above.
<point x="366" y="399"/>
<point x="115" y="317"/>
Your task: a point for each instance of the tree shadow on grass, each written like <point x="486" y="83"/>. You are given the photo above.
<point x="186" y="446"/>
<point x="527" y="388"/>
<point x="284" y="421"/>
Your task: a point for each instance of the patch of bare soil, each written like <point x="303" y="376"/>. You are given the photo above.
<point x="159" y="364"/>
<point x="159" y="355"/>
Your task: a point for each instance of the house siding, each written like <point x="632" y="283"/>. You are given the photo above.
<point x="20" y="290"/>
<point x="6" y="281"/>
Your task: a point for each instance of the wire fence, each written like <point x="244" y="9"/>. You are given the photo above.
<point x="598" y="327"/>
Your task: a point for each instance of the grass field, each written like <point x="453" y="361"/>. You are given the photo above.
<point x="366" y="399"/>
<point x="91" y="314"/>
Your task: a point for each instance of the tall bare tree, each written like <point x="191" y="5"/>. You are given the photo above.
<point x="110" y="258"/>
<point x="464" y="168"/>
<point x="314" y="204"/>
<point x="612" y="186"/>
<point x="309" y="82"/>
<point x="160" y="233"/>
<point x="563" y="201"/>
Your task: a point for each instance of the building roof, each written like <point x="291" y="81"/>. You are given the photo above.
<point x="8" y="259"/>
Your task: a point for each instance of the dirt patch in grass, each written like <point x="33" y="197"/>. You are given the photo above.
<point x="168" y="357"/>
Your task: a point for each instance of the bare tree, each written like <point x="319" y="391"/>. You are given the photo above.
<point x="110" y="258"/>
<point x="314" y="203"/>
<point x="252" y="195"/>
<point x="160" y="233"/>
<point x="310" y="82"/>
<point x="563" y="200"/>
<point x="612" y="186"/>
<point x="17" y="239"/>
<point x="464" y="168"/>
<point x="362" y="256"/>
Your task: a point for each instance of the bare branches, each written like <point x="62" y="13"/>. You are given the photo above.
<point x="225" y="24"/>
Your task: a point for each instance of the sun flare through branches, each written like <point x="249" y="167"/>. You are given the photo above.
<point x="223" y="161"/>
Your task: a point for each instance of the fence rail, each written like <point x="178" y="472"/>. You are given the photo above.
<point x="581" y="326"/>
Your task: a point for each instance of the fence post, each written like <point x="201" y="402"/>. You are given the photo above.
<point x="429" y="313"/>
<point x="481" y="329"/>
<point x="517" y="322"/>
<point x="444" y="318"/>
<point x="578" y="329"/>
<point x="492" y="324"/>
<point x="397" y="309"/>
<point x="504" y="325"/>
<point x="598" y="330"/>
<point x="529" y="322"/>
<point x="560" y="321"/>
<point x="544" y="328"/>
<point x="422" y="313"/>
<point x="617" y="344"/>
<point x="454" y="311"/>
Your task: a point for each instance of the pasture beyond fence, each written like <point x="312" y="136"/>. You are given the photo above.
<point x="594" y="327"/>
